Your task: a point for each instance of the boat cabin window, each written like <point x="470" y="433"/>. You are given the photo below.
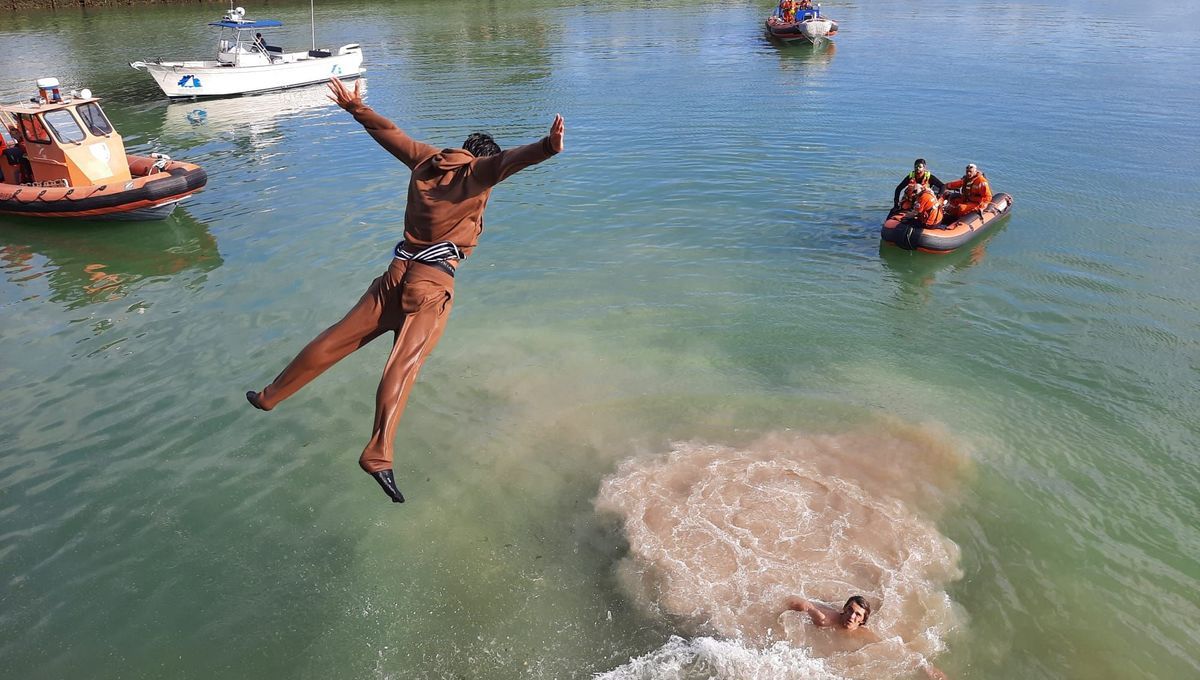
<point x="94" y="119"/>
<point x="32" y="129"/>
<point x="63" y="124"/>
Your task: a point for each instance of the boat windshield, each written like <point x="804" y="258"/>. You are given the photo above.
<point x="32" y="129"/>
<point x="63" y="125"/>
<point x="94" y="119"/>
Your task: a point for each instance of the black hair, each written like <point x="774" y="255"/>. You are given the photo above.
<point x="481" y="144"/>
<point x="862" y="602"/>
<point x="919" y="161"/>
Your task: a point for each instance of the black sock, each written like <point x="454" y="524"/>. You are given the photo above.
<point x="388" y="482"/>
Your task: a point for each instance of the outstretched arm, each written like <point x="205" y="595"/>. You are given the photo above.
<point x="802" y="605"/>
<point x="408" y="150"/>
<point x="495" y="169"/>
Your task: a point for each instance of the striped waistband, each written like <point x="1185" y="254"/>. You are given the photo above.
<point x="434" y="255"/>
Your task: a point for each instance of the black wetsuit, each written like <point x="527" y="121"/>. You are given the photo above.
<point x="936" y="184"/>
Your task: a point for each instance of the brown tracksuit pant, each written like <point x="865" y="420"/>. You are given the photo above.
<point x="410" y="299"/>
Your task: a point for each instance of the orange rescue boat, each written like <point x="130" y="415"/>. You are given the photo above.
<point x="61" y="157"/>
<point x="903" y="230"/>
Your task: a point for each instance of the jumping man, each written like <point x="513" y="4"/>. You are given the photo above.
<point x="447" y="194"/>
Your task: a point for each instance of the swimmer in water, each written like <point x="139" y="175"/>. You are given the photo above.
<point x="852" y="620"/>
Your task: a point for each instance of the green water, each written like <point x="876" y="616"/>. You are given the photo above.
<point x="702" y="263"/>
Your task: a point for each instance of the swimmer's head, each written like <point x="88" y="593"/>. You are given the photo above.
<point x="855" y="613"/>
<point x="481" y="144"/>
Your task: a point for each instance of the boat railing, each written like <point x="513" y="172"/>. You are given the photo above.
<point x="236" y="47"/>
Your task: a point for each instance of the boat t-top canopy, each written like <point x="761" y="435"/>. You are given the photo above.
<point x="265" y="23"/>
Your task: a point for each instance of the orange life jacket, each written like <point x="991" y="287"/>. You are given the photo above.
<point x="974" y="190"/>
<point x="929" y="209"/>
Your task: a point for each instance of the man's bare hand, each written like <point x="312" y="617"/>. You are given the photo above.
<point x="343" y="97"/>
<point x="556" y="133"/>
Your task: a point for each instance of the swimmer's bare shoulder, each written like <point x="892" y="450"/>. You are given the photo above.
<point x="850" y="621"/>
<point x="824" y="616"/>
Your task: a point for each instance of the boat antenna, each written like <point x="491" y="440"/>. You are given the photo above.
<point x="312" y="18"/>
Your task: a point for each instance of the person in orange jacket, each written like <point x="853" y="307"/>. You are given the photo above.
<point x="906" y="200"/>
<point x="921" y="175"/>
<point x="928" y="208"/>
<point x="787" y="10"/>
<point x="974" y="193"/>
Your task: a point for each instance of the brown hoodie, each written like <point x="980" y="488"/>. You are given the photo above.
<point x="449" y="188"/>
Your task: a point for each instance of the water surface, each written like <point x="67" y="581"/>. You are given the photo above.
<point x="700" y="269"/>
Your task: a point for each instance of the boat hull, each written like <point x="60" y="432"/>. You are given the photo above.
<point x="910" y="235"/>
<point x="814" y="29"/>
<point x="189" y="79"/>
<point x="150" y="195"/>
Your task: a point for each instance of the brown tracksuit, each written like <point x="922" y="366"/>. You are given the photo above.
<point x="447" y="194"/>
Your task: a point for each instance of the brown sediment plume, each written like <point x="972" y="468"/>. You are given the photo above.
<point x="719" y="537"/>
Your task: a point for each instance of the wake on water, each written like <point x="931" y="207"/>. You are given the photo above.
<point x="719" y="537"/>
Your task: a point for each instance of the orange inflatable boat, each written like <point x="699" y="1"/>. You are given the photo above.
<point x="60" y="157"/>
<point x="909" y="234"/>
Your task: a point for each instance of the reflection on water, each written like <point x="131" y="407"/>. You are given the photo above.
<point x="915" y="272"/>
<point x="720" y="537"/>
<point x="803" y="55"/>
<point x="251" y="118"/>
<point x="85" y="263"/>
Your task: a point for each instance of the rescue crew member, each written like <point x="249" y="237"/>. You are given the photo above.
<point x="974" y="193"/>
<point x="787" y="10"/>
<point x="928" y="209"/>
<point x="909" y="198"/>
<point x="447" y="193"/>
<point x="15" y="155"/>
<point x="921" y="175"/>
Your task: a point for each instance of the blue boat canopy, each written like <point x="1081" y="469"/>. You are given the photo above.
<point x="265" y="23"/>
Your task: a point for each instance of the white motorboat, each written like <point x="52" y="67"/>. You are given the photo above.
<point x="245" y="63"/>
